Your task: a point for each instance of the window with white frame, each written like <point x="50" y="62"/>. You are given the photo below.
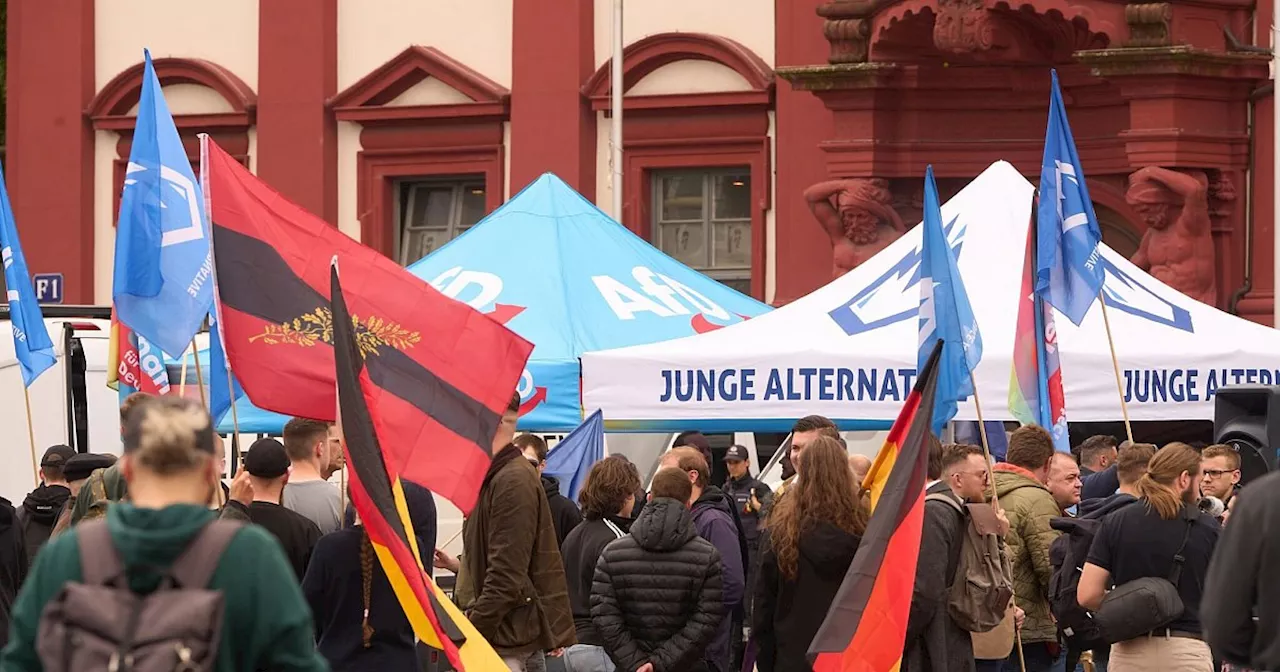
<point x="702" y="217"/>
<point x="434" y="211"/>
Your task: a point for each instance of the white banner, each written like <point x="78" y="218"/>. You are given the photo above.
<point x="848" y="350"/>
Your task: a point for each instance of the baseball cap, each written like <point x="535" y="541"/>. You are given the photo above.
<point x="736" y="454"/>
<point x="81" y="465"/>
<point x="266" y="459"/>
<point x="56" y="456"/>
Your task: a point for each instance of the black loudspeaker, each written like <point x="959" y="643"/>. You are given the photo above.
<point x="1247" y="418"/>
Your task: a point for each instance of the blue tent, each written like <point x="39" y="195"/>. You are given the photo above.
<point x="561" y="273"/>
<point x="567" y="277"/>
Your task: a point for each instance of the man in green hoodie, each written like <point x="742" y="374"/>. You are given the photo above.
<point x="267" y="623"/>
<point x="1020" y="485"/>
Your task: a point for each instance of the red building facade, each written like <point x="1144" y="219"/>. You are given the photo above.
<point x="868" y="90"/>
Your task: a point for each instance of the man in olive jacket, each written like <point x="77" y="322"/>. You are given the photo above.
<point x="511" y="579"/>
<point x="1030" y="506"/>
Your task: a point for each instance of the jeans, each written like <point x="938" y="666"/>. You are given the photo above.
<point x="587" y="658"/>
<point x="1038" y="659"/>
<point x="534" y="662"/>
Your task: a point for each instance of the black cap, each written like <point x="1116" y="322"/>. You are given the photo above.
<point x="80" y="466"/>
<point x="266" y="459"/>
<point x="57" y="456"/>
<point x="736" y="454"/>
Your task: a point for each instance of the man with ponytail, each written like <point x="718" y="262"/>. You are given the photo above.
<point x="1142" y="541"/>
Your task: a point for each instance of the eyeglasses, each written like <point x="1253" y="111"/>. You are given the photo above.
<point x="1217" y="473"/>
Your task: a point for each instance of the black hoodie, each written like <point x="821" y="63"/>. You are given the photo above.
<point x="13" y="564"/>
<point x="788" y="612"/>
<point x="656" y="594"/>
<point x="39" y="513"/>
<point x="564" y="513"/>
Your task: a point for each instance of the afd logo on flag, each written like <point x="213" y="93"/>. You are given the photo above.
<point x="886" y="301"/>
<point x="1123" y="292"/>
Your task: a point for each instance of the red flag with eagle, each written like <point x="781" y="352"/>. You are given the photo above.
<point x="866" y="627"/>
<point x="445" y="371"/>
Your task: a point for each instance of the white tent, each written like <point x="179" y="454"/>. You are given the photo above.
<point x="848" y="350"/>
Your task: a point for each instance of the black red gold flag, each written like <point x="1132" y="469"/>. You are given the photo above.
<point x="378" y="496"/>
<point x="866" y="627"/>
<point x="443" y="372"/>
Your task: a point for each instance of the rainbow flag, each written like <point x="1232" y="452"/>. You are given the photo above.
<point x="1035" y="383"/>
<point x="866" y="627"/>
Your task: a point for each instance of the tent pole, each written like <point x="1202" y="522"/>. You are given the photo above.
<point x="615" y="110"/>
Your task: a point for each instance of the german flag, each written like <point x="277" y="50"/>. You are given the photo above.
<point x="378" y="497"/>
<point x="866" y="627"/>
<point x="443" y="372"/>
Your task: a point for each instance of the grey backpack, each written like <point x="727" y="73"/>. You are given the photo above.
<point x="100" y="624"/>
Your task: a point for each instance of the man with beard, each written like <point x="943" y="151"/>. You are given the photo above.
<point x="858" y="217"/>
<point x="40" y="510"/>
<point x="713" y="517"/>
<point x="1177" y="248"/>
<point x="1141" y="541"/>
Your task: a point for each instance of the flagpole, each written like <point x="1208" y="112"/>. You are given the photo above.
<point x="1115" y="365"/>
<point x="182" y="382"/>
<point x="31" y="434"/>
<point x="204" y="401"/>
<point x="986" y="447"/>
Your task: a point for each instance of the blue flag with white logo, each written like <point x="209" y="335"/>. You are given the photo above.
<point x="163" y="284"/>
<point x="1068" y="264"/>
<point x="572" y="458"/>
<point x="31" y="340"/>
<point x="945" y="314"/>
<point x="224" y="389"/>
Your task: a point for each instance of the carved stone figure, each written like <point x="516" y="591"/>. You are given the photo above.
<point x="964" y="26"/>
<point x="1177" y="248"/>
<point x="857" y="216"/>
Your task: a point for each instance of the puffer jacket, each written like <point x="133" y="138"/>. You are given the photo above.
<point x="1030" y="506"/>
<point x="656" y="597"/>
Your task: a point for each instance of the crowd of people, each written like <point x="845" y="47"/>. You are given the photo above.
<point x="152" y="562"/>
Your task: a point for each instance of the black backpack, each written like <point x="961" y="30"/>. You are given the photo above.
<point x="1067" y="556"/>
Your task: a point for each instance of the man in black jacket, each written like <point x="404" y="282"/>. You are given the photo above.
<point x="564" y="513"/>
<point x="13" y="565"/>
<point x="40" y="510"/>
<point x="608" y="497"/>
<point x="655" y="600"/>
<point x="1241" y="605"/>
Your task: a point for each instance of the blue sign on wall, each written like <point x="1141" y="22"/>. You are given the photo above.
<point x="48" y="287"/>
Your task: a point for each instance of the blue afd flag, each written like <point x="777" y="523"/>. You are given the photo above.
<point x="163" y="284"/>
<point x="224" y="389"/>
<point x="572" y="458"/>
<point x="945" y="314"/>
<point x="1068" y="268"/>
<point x="30" y="335"/>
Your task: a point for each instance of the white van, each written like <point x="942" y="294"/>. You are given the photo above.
<point x="70" y="403"/>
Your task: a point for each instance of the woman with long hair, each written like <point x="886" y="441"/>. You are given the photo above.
<point x="810" y="539"/>
<point x="171" y="470"/>
<point x="360" y="626"/>
<point x="1141" y="541"/>
<point x="608" y="497"/>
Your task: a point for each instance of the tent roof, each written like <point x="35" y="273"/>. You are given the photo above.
<point x="570" y="279"/>
<point x="862" y="327"/>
